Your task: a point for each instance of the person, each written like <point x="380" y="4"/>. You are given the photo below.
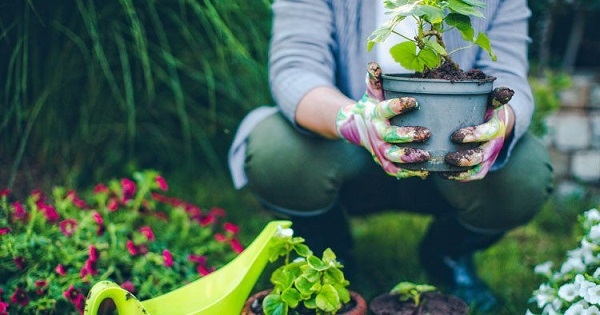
<point x="319" y="156"/>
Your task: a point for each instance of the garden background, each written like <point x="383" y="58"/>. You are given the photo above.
<point x="93" y="90"/>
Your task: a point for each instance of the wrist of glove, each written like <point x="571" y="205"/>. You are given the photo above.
<point x="491" y="134"/>
<point x="366" y="123"/>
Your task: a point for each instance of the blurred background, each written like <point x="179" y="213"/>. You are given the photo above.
<point x="92" y="90"/>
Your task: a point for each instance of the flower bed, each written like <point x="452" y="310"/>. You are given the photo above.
<point x="53" y="248"/>
<point x="575" y="287"/>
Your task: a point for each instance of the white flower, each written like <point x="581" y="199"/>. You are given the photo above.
<point x="284" y="232"/>
<point x="544" y="269"/>
<point x="544" y="295"/>
<point x="575" y="309"/>
<point x="593" y="310"/>
<point x="596" y="274"/>
<point x="594" y="234"/>
<point x="592" y="215"/>
<point x="593" y="294"/>
<point x="568" y="292"/>
<point x="572" y="263"/>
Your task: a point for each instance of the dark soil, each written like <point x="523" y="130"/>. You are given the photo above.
<point x="433" y="303"/>
<point x="450" y="71"/>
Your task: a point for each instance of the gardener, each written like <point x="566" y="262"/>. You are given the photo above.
<point x="303" y="164"/>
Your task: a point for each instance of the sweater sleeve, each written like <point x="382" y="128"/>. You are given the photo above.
<point x="300" y="55"/>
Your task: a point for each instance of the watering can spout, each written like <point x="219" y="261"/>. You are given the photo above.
<point x="222" y="292"/>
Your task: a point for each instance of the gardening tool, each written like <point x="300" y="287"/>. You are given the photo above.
<point x="221" y="292"/>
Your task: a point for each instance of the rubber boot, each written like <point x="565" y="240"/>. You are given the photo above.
<point x="329" y="229"/>
<point x="446" y="253"/>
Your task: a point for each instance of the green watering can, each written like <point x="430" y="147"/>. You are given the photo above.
<point x="222" y="292"/>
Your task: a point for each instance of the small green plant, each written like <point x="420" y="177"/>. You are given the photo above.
<point x="433" y="18"/>
<point x="306" y="282"/>
<point x="411" y="291"/>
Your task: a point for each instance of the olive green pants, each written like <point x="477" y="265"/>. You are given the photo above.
<point x="305" y="175"/>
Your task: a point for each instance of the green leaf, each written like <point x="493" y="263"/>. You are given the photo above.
<point x="291" y="297"/>
<point x="328" y="299"/>
<point x="406" y="54"/>
<point x="328" y="256"/>
<point x="463" y="24"/>
<point x="435" y="46"/>
<point x="302" y="250"/>
<point x="430" y="13"/>
<point x="333" y="275"/>
<point x="316" y="263"/>
<point x="484" y="42"/>
<point x="463" y="7"/>
<point x="304" y="285"/>
<point x="273" y="305"/>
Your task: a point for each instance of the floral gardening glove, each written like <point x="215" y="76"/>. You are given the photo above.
<point x="491" y="134"/>
<point x="366" y="123"/>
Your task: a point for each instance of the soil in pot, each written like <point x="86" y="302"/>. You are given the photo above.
<point x="356" y="306"/>
<point x="433" y="303"/>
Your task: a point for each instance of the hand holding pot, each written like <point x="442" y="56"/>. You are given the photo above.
<point x="366" y="123"/>
<point x="490" y="134"/>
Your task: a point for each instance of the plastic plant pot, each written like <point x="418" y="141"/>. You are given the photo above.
<point x="444" y="107"/>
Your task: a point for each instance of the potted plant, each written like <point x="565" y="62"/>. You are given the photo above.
<point x="305" y="285"/>
<point x="449" y="98"/>
<point x="407" y="298"/>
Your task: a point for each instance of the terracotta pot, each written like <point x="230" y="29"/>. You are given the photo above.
<point x="433" y="303"/>
<point x="359" y="309"/>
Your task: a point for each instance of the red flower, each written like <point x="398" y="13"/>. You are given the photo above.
<point x="3" y="308"/>
<point x="20" y="297"/>
<point x="76" y="298"/>
<point x="49" y="212"/>
<point x="100" y="188"/>
<point x="78" y="202"/>
<point x="4" y="193"/>
<point x="200" y="259"/>
<point x="230" y="227"/>
<point x="60" y="269"/>
<point x="4" y="230"/>
<point x="38" y="196"/>
<point x="131" y="248"/>
<point x="20" y="262"/>
<point x="168" y="258"/>
<point x="93" y="253"/>
<point x="68" y="226"/>
<point x="217" y="212"/>
<point x="113" y="204"/>
<point x="129" y="189"/>
<point x="71" y="293"/>
<point x="19" y="213"/>
<point x="207" y="220"/>
<point x="203" y="270"/>
<point x="162" y="183"/>
<point x="147" y="232"/>
<point x="89" y="268"/>
<point x="221" y="238"/>
<point x="128" y="285"/>
<point x="236" y="246"/>
<point x="41" y="285"/>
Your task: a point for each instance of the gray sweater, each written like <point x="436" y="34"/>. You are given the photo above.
<point x="323" y="43"/>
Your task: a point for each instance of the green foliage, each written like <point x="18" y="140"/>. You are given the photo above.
<point x="307" y="282"/>
<point x="103" y="87"/>
<point x="411" y="291"/>
<point x="427" y="49"/>
<point x="546" y="94"/>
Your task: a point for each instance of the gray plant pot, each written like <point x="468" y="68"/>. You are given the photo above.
<point x="444" y="107"/>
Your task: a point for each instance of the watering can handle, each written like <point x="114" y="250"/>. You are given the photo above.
<point x="124" y="301"/>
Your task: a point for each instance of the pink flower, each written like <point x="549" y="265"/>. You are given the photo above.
<point x="113" y="204"/>
<point x="131" y="248"/>
<point x="3" y="308"/>
<point x="49" y="212"/>
<point x="19" y="212"/>
<point x="60" y="269"/>
<point x="207" y="220"/>
<point x="76" y="298"/>
<point x="40" y="285"/>
<point x="89" y="268"/>
<point x="162" y="183"/>
<point x="100" y="188"/>
<point x="97" y="218"/>
<point x="4" y="192"/>
<point x="200" y="259"/>
<point x="219" y="237"/>
<point x="68" y="226"/>
<point x="230" y="227"/>
<point x="217" y="212"/>
<point x="147" y="232"/>
<point x="93" y="253"/>
<point x="203" y="270"/>
<point x="168" y="258"/>
<point x="20" y="297"/>
<point x="4" y="230"/>
<point x="236" y="246"/>
<point x="78" y="202"/>
<point x="129" y="189"/>
<point x="128" y="285"/>
<point x="38" y="196"/>
<point x="20" y="262"/>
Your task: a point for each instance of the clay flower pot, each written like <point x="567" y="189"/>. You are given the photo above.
<point x="444" y="107"/>
<point x="433" y="303"/>
<point x="357" y="305"/>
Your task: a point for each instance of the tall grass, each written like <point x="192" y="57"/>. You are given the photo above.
<point x="92" y="88"/>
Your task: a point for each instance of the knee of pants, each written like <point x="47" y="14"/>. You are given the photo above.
<point x="293" y="170"/>
<point x="511" y="196"/>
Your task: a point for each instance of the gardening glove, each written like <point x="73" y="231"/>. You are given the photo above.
<point x="367" y="123"/>
<point x="490" y="134"/>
